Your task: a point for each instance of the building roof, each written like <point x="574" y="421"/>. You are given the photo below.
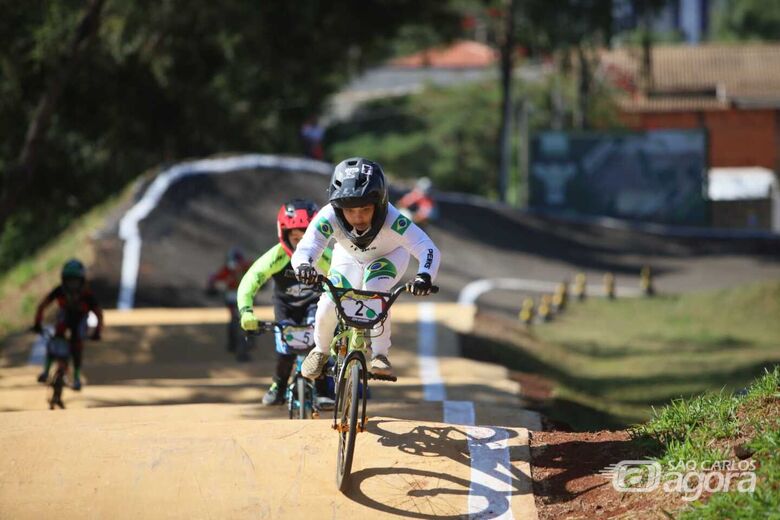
<point x="703" y="77"/>
<point x="461" y="54"/>
<point x="740" y="183"/>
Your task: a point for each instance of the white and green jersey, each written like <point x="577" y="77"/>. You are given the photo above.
<point x="397" y="231"/>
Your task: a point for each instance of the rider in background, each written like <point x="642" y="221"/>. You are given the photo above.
<point x="294" y="302"/>
<point x="418" y="205"/>
<point x="75" y="301"/>
<point x="229" y="275"/>
<point x="373" y="245"/>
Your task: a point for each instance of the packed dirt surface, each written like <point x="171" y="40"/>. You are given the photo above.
<point x="136" y="443"/>
<point x="567" y="483"/>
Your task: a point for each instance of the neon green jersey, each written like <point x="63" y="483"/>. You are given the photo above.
<point x="275" y="264"/>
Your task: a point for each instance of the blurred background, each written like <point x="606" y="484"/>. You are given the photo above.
<point x="652" y="110"/>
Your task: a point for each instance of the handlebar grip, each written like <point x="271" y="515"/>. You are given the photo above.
<point x="434" y="289"/>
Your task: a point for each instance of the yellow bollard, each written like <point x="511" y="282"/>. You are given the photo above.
<point x="646" y="281"/>
<point x="527" y="311"/>
<point x="545" y="310"/>
<point x="560" y="297"/>
<point x="609" y="286"/>
<point x="579" y="286"/>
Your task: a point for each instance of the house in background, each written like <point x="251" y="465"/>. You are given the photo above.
<point x="461" y="62"/>
<point x="747" y="198"/>
<point x="732" y="91"/>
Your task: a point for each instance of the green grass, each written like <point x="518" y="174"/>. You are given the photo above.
<point x="622" y="357"/>
<point x="703" y="429"/>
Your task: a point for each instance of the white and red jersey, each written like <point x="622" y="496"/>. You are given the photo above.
<point x="397" y="231"/>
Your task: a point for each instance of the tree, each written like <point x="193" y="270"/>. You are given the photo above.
<point x="569" y="27"/>
<point x="748" y="20"/>
<point x="163" y="81"/>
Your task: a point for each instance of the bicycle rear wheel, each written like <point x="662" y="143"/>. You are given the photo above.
<point x="347" y="407"/>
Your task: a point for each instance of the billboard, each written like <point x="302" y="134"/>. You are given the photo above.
<point x="657" y="176"/>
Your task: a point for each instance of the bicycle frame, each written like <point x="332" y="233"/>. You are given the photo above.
<point x="310" y="403"/>
<point x="60" y="356"/>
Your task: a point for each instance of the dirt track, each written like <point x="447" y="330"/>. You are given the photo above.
<point x="132" y="453"/>
<point x="169" y="426"/>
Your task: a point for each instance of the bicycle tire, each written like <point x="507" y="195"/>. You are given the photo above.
<point x="347" y="410"/>
<point x="301" y="390"/>
<point x="290" y="396"/>
<point x="57" y="385"/>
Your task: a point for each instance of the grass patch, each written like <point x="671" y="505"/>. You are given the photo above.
<point x="707" y="428"/>
<point x="624" y="356"/>
<point x="611" y="362"/>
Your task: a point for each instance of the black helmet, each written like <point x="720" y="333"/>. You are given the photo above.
<point x="359" y="182"/>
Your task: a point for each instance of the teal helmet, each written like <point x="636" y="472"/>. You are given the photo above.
<point x="73" y="269"/>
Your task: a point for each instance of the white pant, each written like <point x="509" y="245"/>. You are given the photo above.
<point x="379" y="274"/>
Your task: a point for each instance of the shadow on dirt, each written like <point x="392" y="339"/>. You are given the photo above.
<point x="418" y="493"/>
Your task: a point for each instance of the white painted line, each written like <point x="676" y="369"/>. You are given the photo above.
<point x="433" y="385"/>
<point x="472" y="291"/>
<point x="491" y="478"/>
<point x="459" y="412"/>
<point x="490" y="491"/>
<point x="128" y="226"/>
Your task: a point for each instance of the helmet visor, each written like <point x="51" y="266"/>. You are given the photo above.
<point x="354" y="202"/>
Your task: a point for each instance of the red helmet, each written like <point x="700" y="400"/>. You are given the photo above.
<point x="296" y="214"/>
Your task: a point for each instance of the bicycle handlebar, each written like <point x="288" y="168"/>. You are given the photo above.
<point x="266" y="326"/>
<point x="390" y="297"/>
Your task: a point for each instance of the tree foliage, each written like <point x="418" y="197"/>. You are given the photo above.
<point x="748" y="20"/>
<point x="168" y="79"/>
<point x="450" y="134"/>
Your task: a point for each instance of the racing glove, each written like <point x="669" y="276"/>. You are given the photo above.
<point x="306" y="274"/>
<point x="421" y="286"/>
<point x="248" y="319"/>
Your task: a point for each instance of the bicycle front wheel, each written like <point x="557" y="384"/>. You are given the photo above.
<point x="302" y="403"/>
<point x="56" y="389"/>
<point x="347" y="406"/>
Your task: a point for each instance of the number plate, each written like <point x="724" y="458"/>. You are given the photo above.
<point x="363" y="310"/>
<point x="299" y="338"/>
<point x="58" y="348"/>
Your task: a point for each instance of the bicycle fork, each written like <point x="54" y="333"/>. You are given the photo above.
<point x="344" y="354"/>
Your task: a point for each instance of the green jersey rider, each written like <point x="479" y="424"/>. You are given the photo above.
<point x="294" y="302"/>
<point x="373" y="245"/>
